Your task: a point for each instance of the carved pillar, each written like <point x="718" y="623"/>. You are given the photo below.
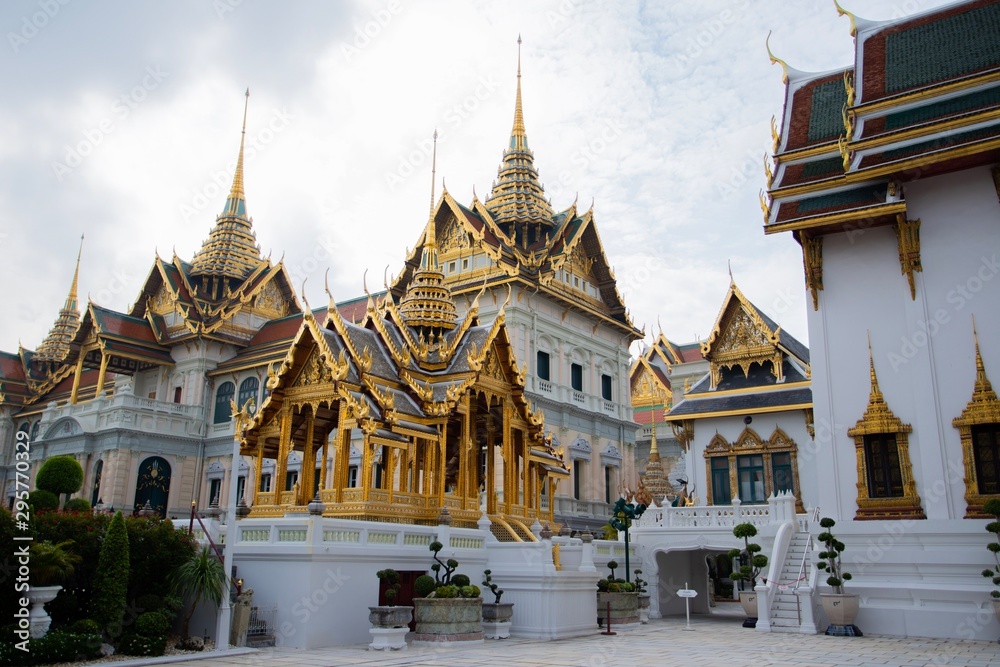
<point x="308" y="461"/>
<point x="258" y="470"/>
<point x="76" y="379"/>
<point x="325" y="458"/>
<point x="101" y="374"/>
<point x="491" y="501"/>
<point x="284" y="440"/>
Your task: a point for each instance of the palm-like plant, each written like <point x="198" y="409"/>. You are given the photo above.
<point x="202" y="576"/>
<point x="52" y="563"/>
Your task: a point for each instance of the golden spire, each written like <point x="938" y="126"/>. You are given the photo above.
<point x="236" y="204"/>
<point x="653" y="449"/>
<point x="56" y="345"/>
<point x="654" y="477"/>
<point x="876" y="393"/>
<point x="518" y="198"/>
<point x="428" y="302"/>
<point x="983" y="385"/>
<point x="231" y="249"/>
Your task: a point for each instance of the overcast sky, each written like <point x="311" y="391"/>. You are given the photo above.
<point x="121" y="120"/>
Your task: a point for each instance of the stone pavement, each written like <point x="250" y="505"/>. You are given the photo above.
<point x="714" y="640"/>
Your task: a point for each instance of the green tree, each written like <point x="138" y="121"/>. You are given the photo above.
<point x="52" y="563"/>
<point x="202" y="576"/>
<point x="111" y="582"/>
<point x="60" y="475"/>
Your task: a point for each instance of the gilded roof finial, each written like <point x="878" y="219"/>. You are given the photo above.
<point x="236" y="203"/>
<point x="518" y="130"/>
<point x="55" y="347"/>
<point x="71" y="297"/>
<point x="729" y="263"/>
<point x="843" y="12"/>
<point x="775" y="59"/>
<point x="430" y="243"/>
<point x="876" y="392"/>
<point x="653" y="449"/>
<point x="982" y="382"/>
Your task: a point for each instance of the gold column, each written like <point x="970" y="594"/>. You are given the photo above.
<point x="76" y="379"/>
<point x="440" y="452"/>
<point x="101" y="374"/>
<point x="281" y="465"/>
<point x="342" y="450"/>
<point x="509" y="492"/>
<point x="258" y="469"/>
<point x="326" y="461"/>
<point x="366" y="468"/>
<point x="491" y="502"/>
<point x="308" y="461"/>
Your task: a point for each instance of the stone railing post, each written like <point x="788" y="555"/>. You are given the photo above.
<point x="772" y="510"/>
<point x="737" y="511"/>
<point x="587" y="557"/>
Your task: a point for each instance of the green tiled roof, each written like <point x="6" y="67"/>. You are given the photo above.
<point x="828" y="167"/>
<point x="943" y="49"/>
<point x="825" y="120"/>
<point x="864" y="195"/>
<point x="976" y="100"/>
<point x="939" y="143"/>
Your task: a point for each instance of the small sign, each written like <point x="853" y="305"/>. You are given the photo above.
<point x="687" y="593"/>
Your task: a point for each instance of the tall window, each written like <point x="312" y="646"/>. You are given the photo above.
<point x="95" y="495"/>
<point x="265" y="482"/>
<point x="578" y="479"/>
<point x="608" y="483"/>
<point x="750" y="477"/>
<point x="291" y="477"/>
<point x="177" y="394"/>
<point x="986" y="452"/>
<point x="781" y="469"/>
<point x="576" y="376"/>
<point x="721" y="493"/>
<point x="214" y="491"/>
<point x="248" y="390"/>
<point x="606" y="387"/>
<point x="223" y="398"/>
<point x="543" y="365"/>
<point x="241" y="485"/>
<point x="352" y="476"/>
<point x="885" y="480"/>
<point x="34" y="429"/>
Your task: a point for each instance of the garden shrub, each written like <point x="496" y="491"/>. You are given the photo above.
<point x="40" y="499"/>
<point x="85" y="626"/>
<point x="135" y="644"/>
<point x="77" y="505"/>
<point x="60" y="474"/>
<point x="152" y="624"/>
<point x="110" y="584"/>
<point x="423" y="586"/>
<point x="461" y="580"/>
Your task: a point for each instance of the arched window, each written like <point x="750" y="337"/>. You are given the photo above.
<point x="34" y="429"/>
<point x="153" y="484"/>
<point x="223" y="398"/>
<point x="248" y="390"/>
<point x="95" y="496"/>
<point x="24" y="427"/>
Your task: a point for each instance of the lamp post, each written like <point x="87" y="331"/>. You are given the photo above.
<point x="241" y="417"/>
<point x="621" y="520"/>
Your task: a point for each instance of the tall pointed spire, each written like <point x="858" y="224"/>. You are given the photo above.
<point x="517" y="201"/>
<point x="428" y="303"/>
<point x="654" y="477"/>
<point x="231" y="249"/>
<point x="876" y="391"/>
<point x="56" y="345"/>
<point x="983" y="386"/>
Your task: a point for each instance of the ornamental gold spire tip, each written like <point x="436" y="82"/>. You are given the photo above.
<point x="76" y="277"/>
<point x="876" y="392"/>
<point x="775" y="59"/>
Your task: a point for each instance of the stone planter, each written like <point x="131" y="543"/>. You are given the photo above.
<point x="496" y="619"/>
<point x="643" y="608"/>
<point x="624" y="608"/>
<point x="39" y="618"/>
<point x="389" y="627"/>
<point x="841" y="611"/>
<point x="448" y="620"/>
<point x="749" y="601"/>
<point x="241" y="618"/>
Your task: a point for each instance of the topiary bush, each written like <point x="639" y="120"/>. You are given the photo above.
<point x="494" y="588"/>
<point x="152" y="624"/>
<point x="77" y="505"/>
<point x="469" y="591"/>
<point x="423" y="586"/>
<point x="391" y="579"/>
<point x="111" y="582"/>
<point x="442" y="569"/>
<point x="40" y="499"/>
<point x="460" y="580"/>
<point x="60" y="475"/>
<point x="751" y="560"/>
<point x="446" y="591"/>
<point x="830" y="557"/>
<point x="992" y="507"/>
<point x="85" y="626"/>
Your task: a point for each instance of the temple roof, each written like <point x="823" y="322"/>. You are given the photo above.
<point x="920" y="99"/>
<point x="55" y="347"/>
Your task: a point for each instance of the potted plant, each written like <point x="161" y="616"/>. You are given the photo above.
<point x="617" y="599"/>
<point x="751" y="564"/>
<point x="841" y="609"/>
<point x="50" y="564"/>
<point x="496" y="614"/>
<point x="451" y="611"/>
<point x="640" y="588"/>
<point x="992" y="507"/>
<point x="390" y="623"/>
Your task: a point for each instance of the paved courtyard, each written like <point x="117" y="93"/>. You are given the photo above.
<point x="713" y="640"/>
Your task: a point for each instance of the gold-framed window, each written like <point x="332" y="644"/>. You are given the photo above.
<point x="979" y="430"/>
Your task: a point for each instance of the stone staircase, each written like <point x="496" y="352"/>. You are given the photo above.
<point x="786" y="612"/>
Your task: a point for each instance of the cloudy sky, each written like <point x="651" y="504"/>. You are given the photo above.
<point x="121" y="121"/>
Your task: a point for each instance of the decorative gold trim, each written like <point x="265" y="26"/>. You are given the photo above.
<point x="683" y="432"/>
<point x="908" y="239"/>
<point x="983" y="408"/>
<point x="864" y="215"/>
<point x="812" y="261"/>
<point x="743" y="411"/>
<point x="749" y="442"/>
<point x="929" y="92"/>
<point x="878" y="419"/>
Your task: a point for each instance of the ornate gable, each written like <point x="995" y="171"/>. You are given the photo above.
<point x="741" y="338"/>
